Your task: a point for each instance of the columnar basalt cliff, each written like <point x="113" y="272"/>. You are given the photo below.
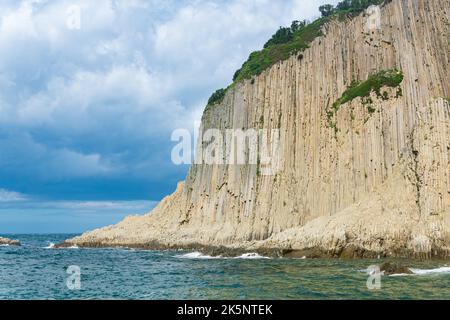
<point x="370" y="177"/>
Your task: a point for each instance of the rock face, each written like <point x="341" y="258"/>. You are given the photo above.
<point x="9" y="242"/>
<point x="378" y="185"/>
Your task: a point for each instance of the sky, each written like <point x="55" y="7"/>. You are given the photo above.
<point x="90" y="92"/>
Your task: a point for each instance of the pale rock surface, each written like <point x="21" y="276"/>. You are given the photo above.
<point x="8" y="242"/>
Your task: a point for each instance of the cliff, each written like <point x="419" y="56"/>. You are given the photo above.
<point x="366" y="178"/>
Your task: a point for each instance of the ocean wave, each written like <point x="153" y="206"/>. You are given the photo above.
<point x="199" y="255"/>
<point x="4" y="245"/>
<point x="431" y="271"/>
<point x="423" y="272"/>
<point x="51" y="245"/>
<point x="251" y="256"/>
<point x="196" y="255"/>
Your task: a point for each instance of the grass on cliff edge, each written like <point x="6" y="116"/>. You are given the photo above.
<point x="259" y="61"/>
<point x="294" y="40"/>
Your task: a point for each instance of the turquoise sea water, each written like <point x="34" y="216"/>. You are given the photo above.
<point x="36" y="271"/>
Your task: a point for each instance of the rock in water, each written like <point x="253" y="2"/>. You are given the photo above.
<point x="9" y="242"/>
<point x="390" y="268"/>
<point x="360" y="174"/>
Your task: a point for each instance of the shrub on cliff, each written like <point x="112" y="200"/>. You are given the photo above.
<point x="326" y="10"/>
<point x="217" y="97"/>
<point x="283" y="35"/>
<point x="385" y="78"/>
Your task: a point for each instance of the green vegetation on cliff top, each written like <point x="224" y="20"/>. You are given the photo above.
<point x="288" y="41"/>
<point x="276" y="50"/>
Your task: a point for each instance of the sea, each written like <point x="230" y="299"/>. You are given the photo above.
<point x="37" y="271"/>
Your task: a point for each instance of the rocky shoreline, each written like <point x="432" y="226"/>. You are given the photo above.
<point x="214" y="251"/>
<point x="9" y="242"/>
<point x="349" y="252"/>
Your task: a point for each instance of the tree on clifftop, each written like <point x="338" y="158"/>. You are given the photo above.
<point x="326" y="10"/>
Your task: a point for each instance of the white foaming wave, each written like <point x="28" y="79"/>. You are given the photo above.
<point x="251" y="256"/>
<point x="4" y="245"/>
<point x="400" y="275"/>
<point x="196" y="255"/>
<point x="423" y="272"/>
<point x="51" y="245"/>
<point x="431" y="271"/>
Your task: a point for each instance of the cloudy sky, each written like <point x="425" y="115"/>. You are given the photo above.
<point x="87" y="105"/>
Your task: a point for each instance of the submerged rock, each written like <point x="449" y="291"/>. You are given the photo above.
<point x="9" y="242"/>
<point x="390" y="268"/>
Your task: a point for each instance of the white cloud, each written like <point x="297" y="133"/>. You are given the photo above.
<point x="11" y="196"/>
<point x="125" y="89"/>
<point x="136" y="206"/>
<point x="48" y="163"/>
<point x="212" y="39"/>
<point x="22" y="201"/>
<point x="68" y="163"/>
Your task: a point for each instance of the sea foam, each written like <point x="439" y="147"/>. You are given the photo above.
<point x="424" y="272"/>
<point x="51" y="245"/>
<point x="196" y="255"/>
<point x="251" y="256"/>
<point x="431" y="271"/>
<point x="199" y="255"/>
